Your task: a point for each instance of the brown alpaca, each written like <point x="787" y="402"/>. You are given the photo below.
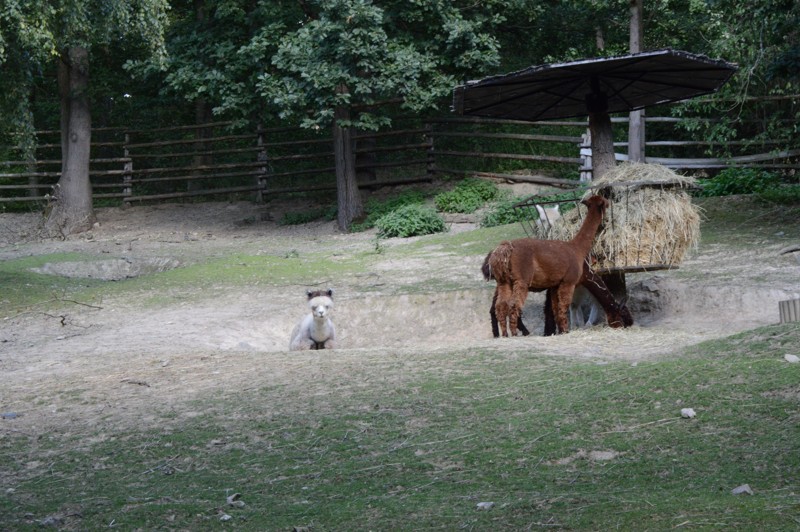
<point x="528" y="264"/>
<point x="617" y="314"/>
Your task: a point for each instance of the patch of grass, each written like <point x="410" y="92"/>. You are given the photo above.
<point x="21" y="287"/>
<point x="747" y="220"/>
<point x="24" y="289"/>
<point x="550" y="442"/>
<point x="784" y="195"/>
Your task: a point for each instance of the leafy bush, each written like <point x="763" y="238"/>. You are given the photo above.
<point x="304" y="217"/>
<point x="503" y="212"/>
<point x="468" y="196"/>
<point x="739" y="181"/>
<point x="410" y="220"/>
<point x="375" y="210"/>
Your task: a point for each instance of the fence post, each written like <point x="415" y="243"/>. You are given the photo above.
<point x="430" y="167"/>
<point x="127" y="169"/>
<point x="262" y="173"/>
<point x="586" y="156"/>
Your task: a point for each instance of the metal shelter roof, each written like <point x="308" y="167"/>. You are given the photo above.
<point x="562" y="90"/>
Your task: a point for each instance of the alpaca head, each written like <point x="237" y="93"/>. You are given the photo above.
<point x="619" y="315"/>
<point x="598" y="203"/>
<point x="320" y="302"/>
<point x="547" y="215"/>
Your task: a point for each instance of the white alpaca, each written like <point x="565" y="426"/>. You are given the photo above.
<point x="547" y="216"/>
<point x="315" y="330"/>
<point x="584" y="302"/>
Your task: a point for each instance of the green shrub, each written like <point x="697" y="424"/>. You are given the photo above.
<point x="304" y="217"/>
<point x="503" y="212"/>
<point x="375" y="210"/>
<point x="410" y="220"/>
<point x="468" y="196"/>
<point x="739" y="181"/>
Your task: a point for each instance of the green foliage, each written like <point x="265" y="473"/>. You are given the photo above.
<point x="410" y="220"/>
<point x="468" y="196"/>
<point x="304" y="217"/>
<point x="376" y="209"/>
<point x="502" y="212"/>
<point x="739" y="181"/>
<point x="356" y="52"/>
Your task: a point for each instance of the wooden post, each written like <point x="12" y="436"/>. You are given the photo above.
<point x="127" y="170"/>
<point x="263" y="171"/>
<point x="430" y="167"/>
<point x="636" y="122"/>
<point x="586" y="157"/>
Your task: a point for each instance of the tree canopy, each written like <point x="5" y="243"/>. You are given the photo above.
<point x="302" y="61"/>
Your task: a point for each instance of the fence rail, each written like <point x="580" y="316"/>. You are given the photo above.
<point x="211" y="159"/>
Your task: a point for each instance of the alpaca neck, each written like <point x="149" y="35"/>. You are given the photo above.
<point x="585" y="236"/>
<point x="595" y="285"/>
<point x="319" y="328"/>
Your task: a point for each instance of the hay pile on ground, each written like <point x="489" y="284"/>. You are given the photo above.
<point x="651" y="222"/>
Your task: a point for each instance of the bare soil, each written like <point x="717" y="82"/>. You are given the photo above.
<point x="122" y="362"/>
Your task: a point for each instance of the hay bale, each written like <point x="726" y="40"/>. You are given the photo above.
<point x="651" y="222"/>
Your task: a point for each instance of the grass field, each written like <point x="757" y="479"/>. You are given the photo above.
<point x="489" y="435"/>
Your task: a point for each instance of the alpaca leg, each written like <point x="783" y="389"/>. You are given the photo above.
<point x="493" y="315"/>
<point x="502" y="307"/>
<point x="521" y="326"/>
<point x="549" y="316"/>
<point x="502" y="316"/>
<point x="518" y="296"/>
<point x="561" y="302"/>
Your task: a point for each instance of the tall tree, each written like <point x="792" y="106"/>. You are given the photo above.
<point x="348" y="55"/>
<point x="66" y="31"/>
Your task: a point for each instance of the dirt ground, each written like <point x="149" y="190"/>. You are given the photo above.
<point x="121" y="361"/>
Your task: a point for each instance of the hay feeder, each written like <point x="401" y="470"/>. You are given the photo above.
<point x="650" y="225"/>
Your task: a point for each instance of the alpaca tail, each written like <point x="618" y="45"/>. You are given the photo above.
<point x="486" y="269"/>
<point x="497" y="264"/>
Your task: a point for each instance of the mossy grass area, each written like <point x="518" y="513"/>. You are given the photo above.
<point x="550" y="442"/>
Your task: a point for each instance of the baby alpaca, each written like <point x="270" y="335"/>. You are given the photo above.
<point x="315" y="330"/>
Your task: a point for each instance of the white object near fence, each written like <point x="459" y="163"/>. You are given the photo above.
<point x="789" y="310"/>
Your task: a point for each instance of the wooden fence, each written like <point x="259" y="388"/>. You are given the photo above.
<point x="212" y="160"/>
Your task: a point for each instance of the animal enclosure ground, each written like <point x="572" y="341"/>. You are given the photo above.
<point x="198" y="326"/>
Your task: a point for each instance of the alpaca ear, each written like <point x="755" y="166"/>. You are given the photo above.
<point x="330" y="292"/>
<point x="310" y="294"/>
<point x="585" y="202"/>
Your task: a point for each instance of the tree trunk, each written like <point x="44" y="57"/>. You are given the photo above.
<point x="636" y="121"/>
<point x="602" y="143"/>
<point x="348" y="199"/>
<point x="72" y="210"/>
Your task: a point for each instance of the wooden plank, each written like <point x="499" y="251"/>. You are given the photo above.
<point x="509" y="136"/>
<point x="482" y="155"/>
<point x="541" y="180"/>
